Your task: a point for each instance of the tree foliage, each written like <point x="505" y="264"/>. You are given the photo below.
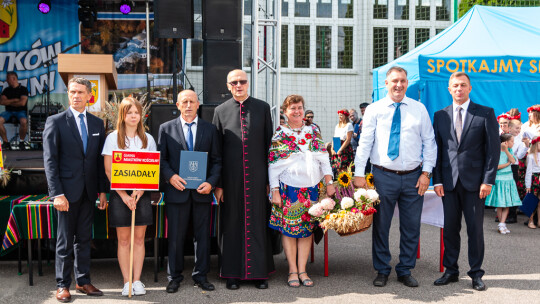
<point x="466" y="5"/>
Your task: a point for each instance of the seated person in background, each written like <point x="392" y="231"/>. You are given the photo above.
<point x="14" y="98"/>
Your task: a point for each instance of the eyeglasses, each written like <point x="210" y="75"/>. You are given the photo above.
<point x="309" y="117"/>
<point x="238" y="82"/>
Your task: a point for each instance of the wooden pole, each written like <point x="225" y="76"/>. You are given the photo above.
<point x="131" y="252"/>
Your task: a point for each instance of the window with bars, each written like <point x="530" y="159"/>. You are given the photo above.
<point x="248" y="57"/>
<point x="401" y="42"/>
<point x="324" y="8"/>
<point x="345" y="47"/>
<point x="437" y="31"/>
<point x="380" y="9"/>
<point x="324" y="47"/>
<point x="421" y="35"/>
<point x="284" y="46"/>
<point x="345" y="9"/>
<point x="247" y="7"/>
<point x="301" y="46"/>
<point x="301" y="8"/>
<point x="380" y="46"/>
<point x="422" y="9"/>
<point x="284" y="8"/>
<point x="442" y="10"/>
<point x="401" y="9"/>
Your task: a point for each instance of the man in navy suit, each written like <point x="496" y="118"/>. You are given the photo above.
<point x="72" y="144"/>
<point x="468" y="154"/>
<point x="188" y="132"/>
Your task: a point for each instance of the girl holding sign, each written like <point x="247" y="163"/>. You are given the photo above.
<point x="129" y="136"/>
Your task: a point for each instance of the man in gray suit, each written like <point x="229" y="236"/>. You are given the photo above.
<point x="468" y="150"/>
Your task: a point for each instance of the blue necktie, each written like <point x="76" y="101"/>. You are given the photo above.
<point x="190" y="136"/>
<point x="395" y="130"/>
<point x="84" y="133"/>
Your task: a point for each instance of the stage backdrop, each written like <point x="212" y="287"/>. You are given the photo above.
<point x="497" y="47"/>
<point x="28" y="38"/>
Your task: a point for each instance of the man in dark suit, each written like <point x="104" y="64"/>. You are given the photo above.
<point x="188" y="132"/>
<point x="72" y="144"/>
<point x="468" y="154"/>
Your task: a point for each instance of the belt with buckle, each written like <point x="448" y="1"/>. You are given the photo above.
<point x="396" y="171"/>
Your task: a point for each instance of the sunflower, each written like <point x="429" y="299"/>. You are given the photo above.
<point x="369" y="179"/>
<point x="344" y="179"/>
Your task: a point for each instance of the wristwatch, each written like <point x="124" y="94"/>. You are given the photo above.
<point x="331" y="182"/>
<point x="427" y="174"/>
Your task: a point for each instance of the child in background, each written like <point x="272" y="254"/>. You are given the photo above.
<point x="520" y="154"/>
<point x="503" y="123"/>
<point x="504" y="193"/>
<point x="532" y="176"/>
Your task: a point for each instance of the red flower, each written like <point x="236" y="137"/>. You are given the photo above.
<point x="285" y="211"/>
<point x="306" y="217"/>
<point x="302" y="141"/>
<point x="292" y="138"/>
<point x="308" y="136"/>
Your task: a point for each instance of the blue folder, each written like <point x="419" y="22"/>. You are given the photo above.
<point x="529" y="204"/>
<point x="193" y="168"/>
<point x="336" y="143"/>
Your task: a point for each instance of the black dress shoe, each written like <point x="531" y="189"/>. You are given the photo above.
<point x="205" y="285"/>
<point x="478" y="284"/>
<point x="380" y="280"/>
<point x="173" y="286"/>
<point x="261" y="284"/>
<point x="445" y="279"/>
<point x="233" y="284"/>
<point x="408" y="280"/>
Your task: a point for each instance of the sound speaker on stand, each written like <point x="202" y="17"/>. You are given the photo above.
<point x="160" y="113"/>
<point x="220" y="57"/>
<point x="173" y="18"/>
<point x="222" y="19"/>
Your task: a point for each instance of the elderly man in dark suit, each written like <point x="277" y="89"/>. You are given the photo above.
<point x="72" y="144"/>
<point x="468" y="154"/>
<point x="188" y="132"/>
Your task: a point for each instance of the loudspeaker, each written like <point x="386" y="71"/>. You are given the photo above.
<point x="173" y="18"/>
<point x="219" y="58"/>
<point x="160" y="113"/>
<point x="222" y="19"/>
<point x="206" y="112"/>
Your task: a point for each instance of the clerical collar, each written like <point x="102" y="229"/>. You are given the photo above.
<point x="241" y="101"/>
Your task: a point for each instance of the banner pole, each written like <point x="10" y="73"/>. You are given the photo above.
<point x="131" y="252"/>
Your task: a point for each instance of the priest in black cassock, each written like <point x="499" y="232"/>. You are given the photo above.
<point x="245" y="126"/>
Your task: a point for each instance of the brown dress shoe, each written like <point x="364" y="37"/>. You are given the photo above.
<point x="89" y="290"/>
<point x="63" y="295"/>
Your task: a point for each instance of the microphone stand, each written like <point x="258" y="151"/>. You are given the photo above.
<point x="47" y="64"/>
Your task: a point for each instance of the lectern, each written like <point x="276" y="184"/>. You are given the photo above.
<point x="99" y="69"/>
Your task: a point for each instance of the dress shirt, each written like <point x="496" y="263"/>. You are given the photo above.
<point x="520" y="150"/>
<point x="417" y="140"/>
<point x="78" y="119"/>
<point x="185" y="128"/>
<point x="532" y="167"/>
<point x="464" y="108"/>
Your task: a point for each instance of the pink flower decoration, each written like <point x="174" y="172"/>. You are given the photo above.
<point x="354" y="210"/>
<point x="306" y="217"/>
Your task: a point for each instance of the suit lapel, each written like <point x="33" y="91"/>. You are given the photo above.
<point x="198" y="136"/>
<point x="91" y="130"/>
<point x="471" y="111"/>
<point x="72" y="125"/>
<point x="180" y="130"/>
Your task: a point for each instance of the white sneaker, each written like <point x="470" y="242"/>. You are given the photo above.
<point x="502" y="229"/>
<point x="125" y="290"/>
<point x="506" y="229"/>
<point x="138" y="288"/>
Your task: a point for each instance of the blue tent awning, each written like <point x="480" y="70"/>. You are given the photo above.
<point x="499" y="47"/>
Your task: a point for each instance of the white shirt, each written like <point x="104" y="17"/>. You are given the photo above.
<point x="132" y="144"/>
<point x="519" y="148"/>
<point x="532" y="167"/>
<point x="342" y="132"/>
<point x="301" y="169"/>
<point x="78" y="119"/>
<point x="185" y="128"/>
<point x="417" y="140"/>
<point x="464" y="108"/>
